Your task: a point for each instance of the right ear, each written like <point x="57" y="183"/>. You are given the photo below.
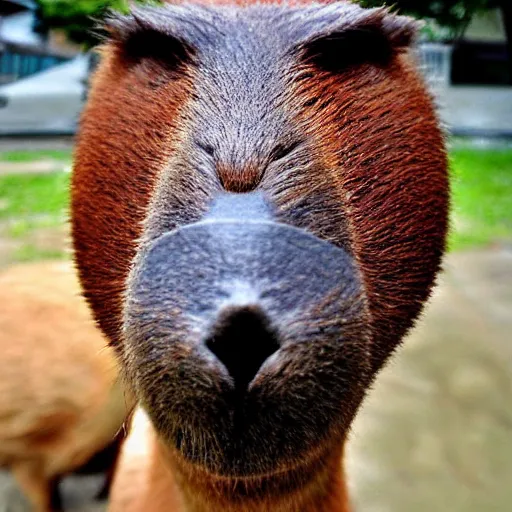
<point x="372" y="38"/>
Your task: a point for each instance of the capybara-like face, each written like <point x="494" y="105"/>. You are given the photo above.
<point x="259" y="212"/>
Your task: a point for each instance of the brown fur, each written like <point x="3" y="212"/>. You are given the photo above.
<point x="390" y="230"/>
<point x="378" y="188"/>
<point x="112" y="144"/>
<point x="60" y="396"/>
<point x="144" y="482"/>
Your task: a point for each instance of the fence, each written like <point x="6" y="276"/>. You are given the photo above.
<point x="15" y="64"/>
<point x="436" y="62"/>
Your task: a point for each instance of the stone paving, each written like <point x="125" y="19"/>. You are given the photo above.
<point x="42" y="166"/>
<point x="473" y="110"/>
<point x="436" y="431"/>
<point x="33" y="143"/>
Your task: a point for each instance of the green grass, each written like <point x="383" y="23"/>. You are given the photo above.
<point x="33" y="196"/>
<point x="481" y="197"/>
<point x="34" y="200"/>
<point x="31" y="252"/>
<point x="32" y="156"/>
<point x="33" y="207"/>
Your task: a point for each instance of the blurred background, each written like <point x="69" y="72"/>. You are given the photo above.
<point x="436" y="432"/>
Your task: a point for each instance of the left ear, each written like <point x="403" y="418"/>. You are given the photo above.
<point x="401" y="31"/>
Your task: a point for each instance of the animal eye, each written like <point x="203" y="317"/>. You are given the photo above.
<point x="340" y="51"/>
<point x="167" y="51"/>
<point x="283" y="150"/>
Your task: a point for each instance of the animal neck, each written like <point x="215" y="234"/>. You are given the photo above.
<point x="319" y="488"/>
<point x="151" y="478"/>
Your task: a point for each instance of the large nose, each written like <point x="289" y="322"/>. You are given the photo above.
<point x="242" y="339"/>
<point x="236" y="289"/>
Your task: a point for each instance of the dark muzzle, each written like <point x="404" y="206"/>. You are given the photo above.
<point x="229" y="313"/>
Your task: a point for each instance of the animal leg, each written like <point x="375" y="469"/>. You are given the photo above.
<point x="114" y="451"/>
<point x="55" y="495"/>
<point x="34" y="485"/>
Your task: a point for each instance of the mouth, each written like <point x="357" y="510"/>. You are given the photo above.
<point x="246" y="342"/>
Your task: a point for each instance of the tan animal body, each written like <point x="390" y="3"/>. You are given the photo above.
<point x="61" y="399"/>
<point x="259" y="211"/>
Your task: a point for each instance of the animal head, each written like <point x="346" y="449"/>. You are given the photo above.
<point x="259" y="211"/>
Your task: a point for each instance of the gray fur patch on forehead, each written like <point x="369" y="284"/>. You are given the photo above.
<point x="291" y="26"/>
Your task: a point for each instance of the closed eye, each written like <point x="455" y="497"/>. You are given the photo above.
<point x="283" y="150"/>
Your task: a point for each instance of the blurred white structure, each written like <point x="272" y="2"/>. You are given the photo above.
<point x="47" y="102"/>
<point x="436" y="62"/>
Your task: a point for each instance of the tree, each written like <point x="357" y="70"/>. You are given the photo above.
<point x="453" y="14"/>
<point x="76" y="17"/>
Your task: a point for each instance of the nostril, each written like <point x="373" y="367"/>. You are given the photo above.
<point x="242" y="340"/>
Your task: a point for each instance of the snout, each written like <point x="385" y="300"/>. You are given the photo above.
<point x="246" y="337"/>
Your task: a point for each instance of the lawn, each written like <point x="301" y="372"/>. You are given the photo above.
<point x="31" y="156"/>
<point x="31" y="197"/>
<point x="34" y="207"/>
<point x="481" y="197"/>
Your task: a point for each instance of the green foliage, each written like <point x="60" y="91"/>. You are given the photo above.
<point x="77" y="17"/>
<point x="453" y="14"/>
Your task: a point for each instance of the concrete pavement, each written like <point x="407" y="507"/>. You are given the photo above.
<point x="436" y="432"/>
<point x="483" y="111"/>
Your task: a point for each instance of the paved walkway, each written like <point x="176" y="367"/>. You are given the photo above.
<point x="35" y="143"/>
<point x="42" y="166"/>
<point x="477" y="110"/>
<point x="436" y="432"/>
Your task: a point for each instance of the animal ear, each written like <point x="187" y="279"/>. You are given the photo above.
<point x="372" y="39"/>
<point x="401" y="31"/>
<point x="139" y="37"/>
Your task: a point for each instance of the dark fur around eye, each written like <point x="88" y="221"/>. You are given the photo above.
<point x="340" y="51"/>
<point x="166" y="50"/>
